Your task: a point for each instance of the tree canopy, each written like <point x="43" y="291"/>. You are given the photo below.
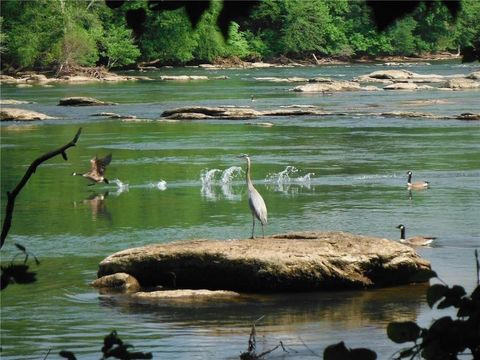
<point x="56" y="34"/>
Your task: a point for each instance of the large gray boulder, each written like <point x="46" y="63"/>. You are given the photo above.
<point x="290" y="262"/>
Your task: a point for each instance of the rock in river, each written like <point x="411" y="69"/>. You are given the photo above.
<point x="298" y="261"/>
<point x="12" y="114"/>
<point x="82" y="101"/>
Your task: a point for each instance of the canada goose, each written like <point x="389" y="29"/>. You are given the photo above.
<point x="97" y="170"/>
<point x="255" y="201"/>
<point x="416" y="240"/>
<point x="419" y="185"/>
<point x="252" y="97"/>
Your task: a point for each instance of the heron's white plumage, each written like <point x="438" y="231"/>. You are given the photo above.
<point x="255" y="201"/>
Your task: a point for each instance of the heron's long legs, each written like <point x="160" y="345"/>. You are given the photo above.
<point x="253" y="227"/>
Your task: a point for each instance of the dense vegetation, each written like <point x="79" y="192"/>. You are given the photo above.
<point x="59" y="34"/>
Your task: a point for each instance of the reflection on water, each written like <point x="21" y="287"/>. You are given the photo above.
<point x="354" y="309"/>
<point x="97" y="205"/>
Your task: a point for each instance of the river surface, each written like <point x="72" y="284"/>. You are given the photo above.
<point x="183" y="180"/>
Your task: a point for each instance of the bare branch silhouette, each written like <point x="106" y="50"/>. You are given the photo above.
<point x="30" y="171"/>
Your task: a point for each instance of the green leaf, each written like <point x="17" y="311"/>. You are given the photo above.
<point x="435" y="293"/>
<point x="401" y="332"/>
<point x="441" y="325"/>
<point x="67" y="354"/>
<point x="476" y="294"/>
<point x="336" y="352"/>
<point x="363" y="354"/>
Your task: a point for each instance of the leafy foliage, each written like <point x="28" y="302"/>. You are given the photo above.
<point x="47" y="33"/>
<point x="341" y="352"/>
<point x="114" y="347"/>
<point x="15" y="273"/>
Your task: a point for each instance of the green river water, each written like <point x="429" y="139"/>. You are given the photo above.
<point x="183" y="180"/>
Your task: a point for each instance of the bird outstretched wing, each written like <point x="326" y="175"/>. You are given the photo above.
<point x="99" y="165"/>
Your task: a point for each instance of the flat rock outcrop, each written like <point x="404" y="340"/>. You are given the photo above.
<point x="205" y="112"/>
<point x="13" y="114"/>
<point x="83" y="101"/>
<point x="239" y="113"/>
<point x="459" y="84"/>
<point x="301" y="261"/>
<point x="183" y="77"/>
<point x="328" y="86"/>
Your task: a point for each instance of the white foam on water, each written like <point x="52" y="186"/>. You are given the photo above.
<point x="160" y="185"/>
<point x="121" y="186"/>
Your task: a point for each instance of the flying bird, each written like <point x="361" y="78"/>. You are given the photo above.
<point x="255" y="201"/>
<point x="97" y="170"/>
<point x="419" y="185"/>
<point x="416" y="240"/>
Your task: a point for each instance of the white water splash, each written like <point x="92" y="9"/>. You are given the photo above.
<point x="212" y="178"/>
<point x="229" y="174"/>
<point x="121" y="187"/>
<point x="285" y="178"/>
<point x="160" y="185"/>
<point x="208" y="176"/>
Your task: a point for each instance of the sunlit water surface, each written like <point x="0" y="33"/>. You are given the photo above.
<point x="183" y="180"/>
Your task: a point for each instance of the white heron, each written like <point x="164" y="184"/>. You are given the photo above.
<point x="255" y="201"/>
<point x="419" y="185"/>
<point x="97" y="170"/>
<point x="416" y="240"/>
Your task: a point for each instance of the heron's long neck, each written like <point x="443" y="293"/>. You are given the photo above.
<point x="409" y="181"/>
<point x="249" y="180"/>
<point x="402" y="232"/>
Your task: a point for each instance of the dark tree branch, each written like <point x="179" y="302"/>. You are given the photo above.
<point x="30" y="171"/>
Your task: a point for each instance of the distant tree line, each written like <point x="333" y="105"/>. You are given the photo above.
<point x="57" y="34"/>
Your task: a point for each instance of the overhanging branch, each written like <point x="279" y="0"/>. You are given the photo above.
<point x="30" y="171"/>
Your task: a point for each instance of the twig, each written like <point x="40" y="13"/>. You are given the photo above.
<point x="275" y="348"/>
<point x="478" y="267"/>
<point x="48" y="353"/>
<point x="306" y="346"/>
<point x="30" y="171"/>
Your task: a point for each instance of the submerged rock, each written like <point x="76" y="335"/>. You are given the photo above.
<point x="14" y="102"/>
<point x="290" y="262"/>
<point x="187" y="295"/>
<point x="83" y="101"/>
<point x="12" y="114"/>
<point x="117" y="282"/>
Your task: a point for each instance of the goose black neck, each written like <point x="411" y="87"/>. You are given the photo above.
<point x="402" y="233"/>
<point x="409" y="178"/>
